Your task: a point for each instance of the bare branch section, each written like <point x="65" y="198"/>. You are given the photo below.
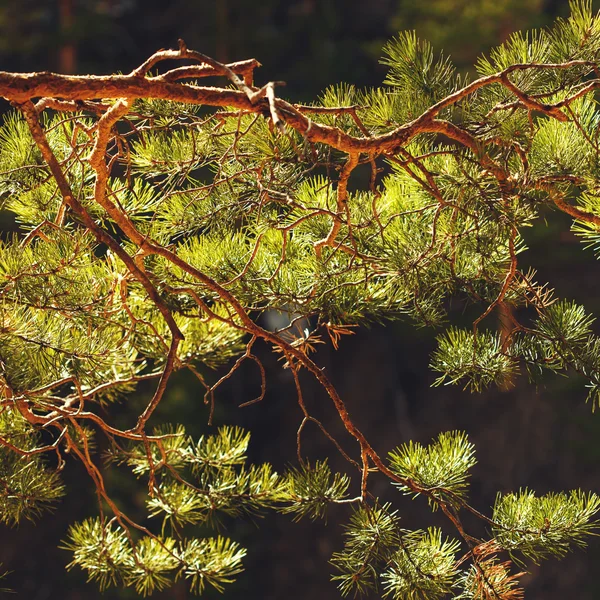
<point x="16" y="87"/>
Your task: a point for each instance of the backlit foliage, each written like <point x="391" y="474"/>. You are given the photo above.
<point x="160" y="219"/>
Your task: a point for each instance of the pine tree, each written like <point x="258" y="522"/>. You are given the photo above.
<point x="160" y="217"/>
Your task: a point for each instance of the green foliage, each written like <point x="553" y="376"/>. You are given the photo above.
<point x="408" y="564"/>
<point x="196" y="483"/>
<point x="423" y="567"/>
<point x="199" y="480"/>
<point x="154" y="559"/>
<point x="416" y="73"/>
<point x="550" y="525"/>
<point x="442" y="468"/>
<point x="27" y="486"/>
<point x="225" y="449"/>
<point x="562" y="338"/>
<point x="212" y="218"/>
<point x="102" y="550"/>
<point x="109" y="556"/>
<point x="578" y="35"/>
<point x="372" y="537"/>
<point x="170" y="152"/>
<point x="477" y="360"/>
<point x="312" y="488"/>
<point x="213" y="561"/>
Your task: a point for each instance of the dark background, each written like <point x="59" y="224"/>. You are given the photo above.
<point x="544" y="438"/>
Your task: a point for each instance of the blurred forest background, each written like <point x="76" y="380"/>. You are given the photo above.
<point x="544" y="438"/>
